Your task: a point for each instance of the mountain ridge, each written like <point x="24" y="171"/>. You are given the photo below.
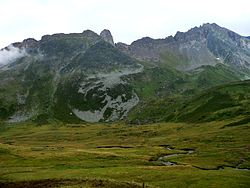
<point x="198" y="46"/>
<point x="86" y="77"/>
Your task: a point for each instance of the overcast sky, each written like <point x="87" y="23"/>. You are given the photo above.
<point x="128" y="20"/>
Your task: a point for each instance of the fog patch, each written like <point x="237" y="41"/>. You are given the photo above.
<point x="10" y="54"/>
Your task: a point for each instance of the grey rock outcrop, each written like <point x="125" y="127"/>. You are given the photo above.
<point x="106" y="35"/>
<point x="208" y="44"/>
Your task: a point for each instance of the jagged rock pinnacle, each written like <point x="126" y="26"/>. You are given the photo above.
<point x="106" y="35"/>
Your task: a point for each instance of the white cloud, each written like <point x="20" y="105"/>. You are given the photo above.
<point x="10" y="54"/>
<point x="128" y="20"/>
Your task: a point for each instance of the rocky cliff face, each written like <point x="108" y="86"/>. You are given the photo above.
<point x="84" y="76"/>
<point x="70" y="77"/>
<point x="208" y="44"/>
<point x="106" y="35"/>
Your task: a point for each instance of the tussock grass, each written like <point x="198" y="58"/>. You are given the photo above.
<point x="124" y="153"/>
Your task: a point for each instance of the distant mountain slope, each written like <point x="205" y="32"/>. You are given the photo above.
<point x="208" y="44"/>
<point x="217" y="103"/>
<point x="70" y="77"/>
<point x="101" y="56"/>
<point x="86" y="77"/>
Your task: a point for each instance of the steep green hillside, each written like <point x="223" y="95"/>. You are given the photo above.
<point x="207" y="76"/>
<point x="86" y="77"/>
<point x="160" y="80"/>
<point x="67" y="77"/>
<point x="218" y="103"/>
<point x="222" y="102"/>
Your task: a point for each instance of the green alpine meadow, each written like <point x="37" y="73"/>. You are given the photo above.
<point x="79" y="110"/>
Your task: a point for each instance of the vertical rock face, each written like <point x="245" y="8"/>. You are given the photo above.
<point x="106" y="35"/>
<point x="208" y="44"/>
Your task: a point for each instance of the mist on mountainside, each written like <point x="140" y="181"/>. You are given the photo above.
<point x="10" y="54"/>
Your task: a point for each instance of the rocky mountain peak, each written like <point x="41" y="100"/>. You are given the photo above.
<point x="27" y="43"/>
<point x="196" y="33"/>
<point x="211" y="25"/>
<point x="89" y="33"/>
<point x="106" y="35"/>
<point x="81" y="76"/>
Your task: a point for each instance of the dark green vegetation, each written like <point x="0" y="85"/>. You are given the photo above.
<point x="114" y="155"/>
<point x="217" y="103"/>
<point x="43" y="86"/>
<point x="81" y="72"/>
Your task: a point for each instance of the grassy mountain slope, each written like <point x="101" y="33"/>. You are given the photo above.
<point x="156" y="81"/>
<point x="79" y="76"/>
<point x="218" y="103"/>
<point x="46" y="82"/>
<point x="207" y="76"/>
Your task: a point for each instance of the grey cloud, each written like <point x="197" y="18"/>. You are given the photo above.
<point x="10" y="54"/>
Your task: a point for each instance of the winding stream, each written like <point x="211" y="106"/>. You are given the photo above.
<point x="162" y="160"/>
<point x="170" y="163"/>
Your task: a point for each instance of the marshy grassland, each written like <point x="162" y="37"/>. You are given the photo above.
<point x="214" y="154"/>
